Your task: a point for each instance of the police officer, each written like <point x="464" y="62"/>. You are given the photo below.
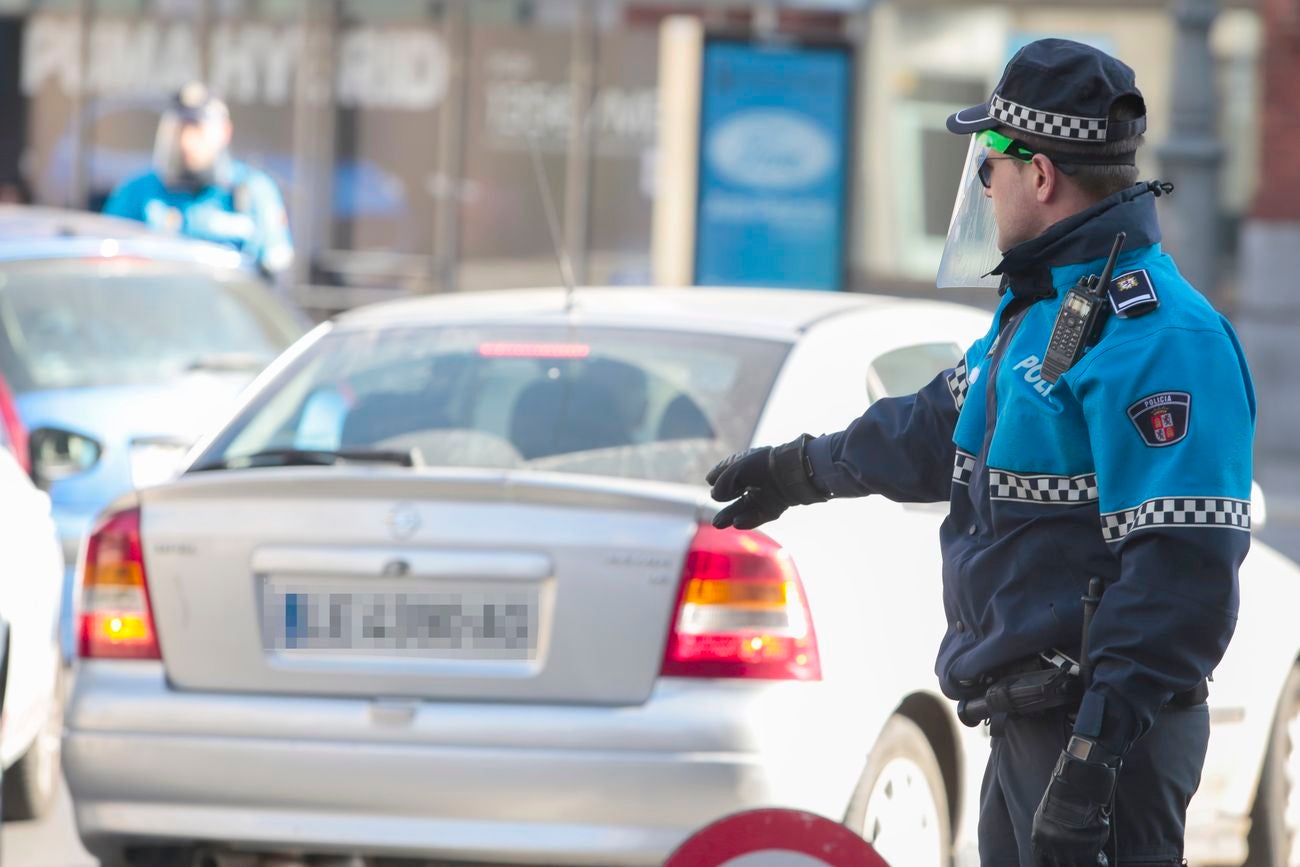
<point x="1124" y="454"/>
<point x="195" y="188"/>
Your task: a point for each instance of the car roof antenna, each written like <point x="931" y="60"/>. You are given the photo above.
<point x="552" y="222"/>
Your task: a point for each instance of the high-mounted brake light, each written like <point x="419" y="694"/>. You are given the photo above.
<point x="116" y="620"/>
<point x="741" y="612"/>
<point x="534" y="350"/>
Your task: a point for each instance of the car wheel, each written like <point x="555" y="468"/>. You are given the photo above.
<point x="900" y="806"/>
<point x="31" y="782"/>
<point x="1274" y="839"/>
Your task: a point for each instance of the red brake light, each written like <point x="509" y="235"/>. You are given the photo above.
<point x="741" y="612"/>
<point x="15" y="428"/>
<point x="534" y="350"/>
<point x="116" y="620"/>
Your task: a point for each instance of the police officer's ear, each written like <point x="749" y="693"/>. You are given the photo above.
<point x="1045" y="179"/>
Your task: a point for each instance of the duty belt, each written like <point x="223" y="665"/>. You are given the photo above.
<point x="1041" y="683"/>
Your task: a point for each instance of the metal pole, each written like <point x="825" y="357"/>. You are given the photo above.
<point x="577" y="176"/>
<point x="313" y="140"/>
<point x="451" y="148"/>
<point x="77" y="195"/>
<point x="1191" y="155"/>
<point x="203" y="28"/>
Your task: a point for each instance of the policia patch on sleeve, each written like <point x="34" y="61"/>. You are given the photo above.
<point x="1162" y="419"/>
<point x="1132" y="294"/>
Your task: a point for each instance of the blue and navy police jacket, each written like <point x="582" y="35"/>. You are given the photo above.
<point x="245" y="212"/>
<point x="1134" y="466"/>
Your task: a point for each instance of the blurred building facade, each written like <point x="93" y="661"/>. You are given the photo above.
<point x="1267" y="312"/>
<point x="406" y="133"/>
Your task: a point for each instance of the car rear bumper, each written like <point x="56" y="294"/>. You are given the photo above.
<point x="537" y="784"/>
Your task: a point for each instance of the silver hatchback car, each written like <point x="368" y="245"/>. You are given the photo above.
<point x="444" y="587"/>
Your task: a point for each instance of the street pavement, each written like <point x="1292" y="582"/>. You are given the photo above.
<point x="48" y="842"/>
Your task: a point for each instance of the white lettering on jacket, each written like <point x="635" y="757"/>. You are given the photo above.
<point x="1033" y="369"/>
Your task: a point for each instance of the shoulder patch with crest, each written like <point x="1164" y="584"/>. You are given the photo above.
<point x="1162" y="419"/>
<point x="1131" y="294"/>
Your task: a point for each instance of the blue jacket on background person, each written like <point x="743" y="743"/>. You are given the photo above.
<point x="246" y="213"/>
<point x="196" y="189"/>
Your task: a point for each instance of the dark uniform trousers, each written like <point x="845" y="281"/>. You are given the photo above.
<point x="1157" y="781"/>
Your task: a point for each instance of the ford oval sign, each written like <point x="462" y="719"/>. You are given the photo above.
<point x="770" y="148"/>
<point x="774" y="156"/>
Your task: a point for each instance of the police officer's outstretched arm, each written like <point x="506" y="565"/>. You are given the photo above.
<point x="1170" y="414"/>
<point x="901" y="447"/>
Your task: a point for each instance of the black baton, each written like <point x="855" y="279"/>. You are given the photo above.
<point x="1090" y="602"/>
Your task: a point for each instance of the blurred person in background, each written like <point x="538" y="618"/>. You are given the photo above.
<point x="1083" y="460"/>
<point x="197" y="189"/>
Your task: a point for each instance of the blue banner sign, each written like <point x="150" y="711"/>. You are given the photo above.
<point x="775" y="129"/>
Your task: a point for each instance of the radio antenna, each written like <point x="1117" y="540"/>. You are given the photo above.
<point x="552" y="221"/>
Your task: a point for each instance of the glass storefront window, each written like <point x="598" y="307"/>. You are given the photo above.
<point x="625" y="126"/>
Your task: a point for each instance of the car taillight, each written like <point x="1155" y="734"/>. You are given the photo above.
<point x="116" y="621"/>
<point x="741" y="612"/>
<point x="17" y="432"/>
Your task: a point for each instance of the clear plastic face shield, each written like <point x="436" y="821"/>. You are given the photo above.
<point x="190" y="146"/>
<point x="971" y="250"/>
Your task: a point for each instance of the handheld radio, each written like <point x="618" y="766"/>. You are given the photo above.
<point x="1081" y="314"/>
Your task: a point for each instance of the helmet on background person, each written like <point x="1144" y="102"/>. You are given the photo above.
<point x="191" y="148"/>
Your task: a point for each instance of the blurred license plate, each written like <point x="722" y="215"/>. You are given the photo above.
<point x="432" y="622"/>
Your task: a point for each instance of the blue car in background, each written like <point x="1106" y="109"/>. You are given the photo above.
<point x="122" y="348"/>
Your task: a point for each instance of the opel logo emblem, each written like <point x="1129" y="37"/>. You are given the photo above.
<point x="403" y="520"/>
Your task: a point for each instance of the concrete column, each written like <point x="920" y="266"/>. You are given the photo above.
<point x="672" y="237"/>
<point x="1191" y="155"/>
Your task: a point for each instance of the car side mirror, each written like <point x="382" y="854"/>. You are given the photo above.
<point x="60" y="454"/>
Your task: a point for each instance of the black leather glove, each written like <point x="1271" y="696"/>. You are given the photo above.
<point x="764" y="482"/>
<point x="1072" y="822"/>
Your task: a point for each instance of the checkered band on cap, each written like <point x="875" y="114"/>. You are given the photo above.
<point x="958" y="384"/>
<point x="1177" y="511"/>
<point x="1042" y="488"/>
<point x="963" y="467"/>
<point x="1046" y="123"/>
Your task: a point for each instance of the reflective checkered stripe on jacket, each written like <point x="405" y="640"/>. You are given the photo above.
<point x="1177" y="511"/>
<point x="1042" y="487"/>
<point x="958" y="384"/>
<point x="963" y="467"/>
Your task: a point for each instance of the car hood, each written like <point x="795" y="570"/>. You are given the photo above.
<point x="182" y="409"/>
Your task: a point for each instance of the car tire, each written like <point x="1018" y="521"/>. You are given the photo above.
<point x="31" y="783"/>
<point x="900" y="805"/>
<point x="1274" y="839"/>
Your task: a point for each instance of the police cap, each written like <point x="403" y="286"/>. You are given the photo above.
<point x="194" y="103"/>
<point x="1059" y="89"/>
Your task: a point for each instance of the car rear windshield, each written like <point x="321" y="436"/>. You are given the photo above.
<point x="644" y="404"/>
<point x="78" y="324"/>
